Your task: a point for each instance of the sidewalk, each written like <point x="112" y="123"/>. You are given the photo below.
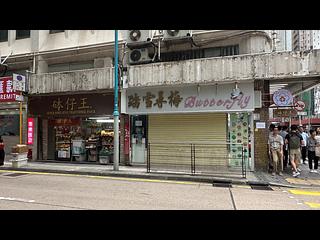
<point x="306" y="179"/>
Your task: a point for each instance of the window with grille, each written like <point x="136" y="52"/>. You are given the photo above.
<point x="55" y="31"/>
<point x="200" y="53"/>
<point x="20" y="34"/>
<point x="3" y="35"/>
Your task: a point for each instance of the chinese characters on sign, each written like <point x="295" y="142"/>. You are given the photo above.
<point x="278" y="113"/>
<point x="190" y="99"/>
<point x="7" y="94"/>
<point x="70" y="105"/>
<point x="30" y="130"/>
<point x="134" y="101"/>
<point x="174" y="99"/>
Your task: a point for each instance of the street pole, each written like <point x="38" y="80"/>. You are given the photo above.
<point x="309" y="111"/>
<point x="20" y="115"/>
<point x="116" y="112"/>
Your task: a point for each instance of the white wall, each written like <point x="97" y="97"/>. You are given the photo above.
<point x="20" y="46"/>
<point x="46" y="42"/>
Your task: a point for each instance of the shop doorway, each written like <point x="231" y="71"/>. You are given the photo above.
<point x="139" y="139"/>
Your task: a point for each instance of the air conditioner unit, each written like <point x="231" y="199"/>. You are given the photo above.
<point x="176" y="34"/>
<point x="140" y="55"/>
<point x="138" y="37"/>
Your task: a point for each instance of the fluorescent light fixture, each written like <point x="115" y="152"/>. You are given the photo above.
<point x="105" y="120"/>
<point x="96" y="118"/>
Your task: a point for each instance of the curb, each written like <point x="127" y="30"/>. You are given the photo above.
<point x="160" y="176"/>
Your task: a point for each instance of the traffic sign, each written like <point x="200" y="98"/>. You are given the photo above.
<point x="299" y="105"/>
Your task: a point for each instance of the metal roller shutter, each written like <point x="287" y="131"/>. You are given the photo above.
<point x="182" y="129"/>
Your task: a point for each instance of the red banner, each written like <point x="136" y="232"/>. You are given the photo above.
<point x="126" y="135"/>
<point x="7" y="94"/>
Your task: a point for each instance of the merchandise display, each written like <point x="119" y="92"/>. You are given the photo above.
<point x="84" y="140"/>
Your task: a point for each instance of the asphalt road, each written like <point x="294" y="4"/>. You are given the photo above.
<point x="58" y="191"/>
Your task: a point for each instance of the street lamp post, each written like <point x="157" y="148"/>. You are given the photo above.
<point x="116" y="112"/>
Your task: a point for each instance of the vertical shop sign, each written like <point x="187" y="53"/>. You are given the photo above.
<point x="127" y="136"/>
<point x="30" y="130"/>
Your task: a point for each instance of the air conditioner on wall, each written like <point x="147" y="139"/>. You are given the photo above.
<point x="176" y="34"/>
<point x="139" y="37"/>
<point x="140" y="55"/>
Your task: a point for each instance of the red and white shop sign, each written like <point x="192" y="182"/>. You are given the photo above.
<point x="7" y="94"/>
<point x="30" y="130"/>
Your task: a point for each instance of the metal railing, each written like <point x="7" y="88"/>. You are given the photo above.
<point x="197" y="158"/>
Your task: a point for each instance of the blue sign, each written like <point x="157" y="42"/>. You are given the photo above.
<point x="283" y="98"/>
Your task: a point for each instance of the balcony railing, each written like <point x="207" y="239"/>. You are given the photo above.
<point x="73" y="81"/>
<point x="268" y="66"/>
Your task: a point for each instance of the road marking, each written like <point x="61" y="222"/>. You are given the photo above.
<point x="313" y="205"/>
<point x="104" y="177"/>
<point x="16" y="199"/>
<point x="298" y="181"/>
<point x="303" y="181"/>
<point x="303" y="192"/>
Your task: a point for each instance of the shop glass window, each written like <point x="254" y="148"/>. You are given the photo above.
<point x="3" y="35"/>
<point x="20" y="34"/>
<point x="55" y="31"/>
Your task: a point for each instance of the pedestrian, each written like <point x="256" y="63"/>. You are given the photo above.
<point x="276" y="150"/>
<point x="304" y="145"/>
<point x="270" y="165"/>
<point x="2" y="154"/>
<point x="317" y="137"/>
<point x="294" y="141"/>
<point x="283" y="133"/>
<point x="312" y="144"/>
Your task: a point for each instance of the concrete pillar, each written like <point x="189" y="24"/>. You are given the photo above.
<point x="11" y="37"/>
<point x="261" y="135"/>
<point x="41" y="65"/>
<point x="34" y="36"/>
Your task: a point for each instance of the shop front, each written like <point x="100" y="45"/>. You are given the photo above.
<point x="178" y="116"/>
<point x="74" y="128"/>
<point x="10" y="114"/>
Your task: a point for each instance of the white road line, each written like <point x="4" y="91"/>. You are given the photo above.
<point x="17" y="199"/>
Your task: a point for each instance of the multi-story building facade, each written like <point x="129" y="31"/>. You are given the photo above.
<point x="304" y="40"/>
<point x="176" y="86"/>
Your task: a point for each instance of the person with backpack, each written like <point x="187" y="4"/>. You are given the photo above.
<point x="294" y="141"/>
<point x="311" y="145"/>
<point x="276" y="150"/>
<point x="2" y="154"/>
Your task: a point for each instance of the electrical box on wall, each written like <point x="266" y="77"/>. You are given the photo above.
<point x="139" y="37"/>
<point x="137" y="56"/>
